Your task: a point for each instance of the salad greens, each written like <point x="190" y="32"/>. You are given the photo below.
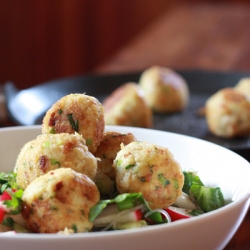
<point x="10" y="193"/>
<point x="123" y="202"/>
<point x="190" y="178"/>
<point x="207" y="198"/>
<point x="126" y="202"/>
<point x="7" y="180"/>
<point x="10" y="198"/>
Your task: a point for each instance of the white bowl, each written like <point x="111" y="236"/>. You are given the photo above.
<point x="216" y="166"/>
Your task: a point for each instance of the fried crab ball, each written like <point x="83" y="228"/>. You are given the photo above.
<point x="76" y="113"/>
<point x="127" y="106"/>
<point x="60" y="199"/>
<point x="165" y="90"/>
<point x="51" y="151"/>
<point x="108" y="149"/>
<point x="243" y="86"/>
<point x="228" y="114"/>
<point x="151" y="170"/>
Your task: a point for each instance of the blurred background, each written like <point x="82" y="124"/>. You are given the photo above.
<point x="42" y="39"/>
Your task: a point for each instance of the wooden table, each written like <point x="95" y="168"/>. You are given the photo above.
<point x="199" y="36"/>
<point x="204" y="36"/>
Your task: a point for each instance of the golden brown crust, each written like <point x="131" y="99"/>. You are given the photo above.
<point x="228" y="113"/>
<point x="77" y="113"/>
<point x="108" y="149"/>
<point x="60" y="199"/>
<point x="127" y="106"/>
<point x="151" y="170"/>
<point x="243" y="86"/>
<point x="165" y="90"/>
<point x="52" y="151"/>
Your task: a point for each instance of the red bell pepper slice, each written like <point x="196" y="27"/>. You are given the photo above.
<point x="5" y="196"/>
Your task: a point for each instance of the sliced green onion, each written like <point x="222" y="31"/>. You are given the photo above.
<point x="74" y="124"/>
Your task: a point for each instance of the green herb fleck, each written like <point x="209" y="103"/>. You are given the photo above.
<point x="162" y="179"/>
<point x="119" y="163"/>
<point x="143" y="179"/>
<point x="55" y="162"/>
<point x="130" y="166"/>
<point x="88" y="142"/>
<point x="60" y="111"/>
<point x="46" y="144"/>
<point x="53" y="208"/>
<point x="74" y="124"/>
<point x="74" y="227"/>
<point x="52" y="131"/>
<point x="151" y="168"/>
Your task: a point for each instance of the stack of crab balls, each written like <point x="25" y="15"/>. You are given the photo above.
<point x="57" y="169"/>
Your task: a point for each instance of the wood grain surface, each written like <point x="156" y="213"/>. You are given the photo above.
<point x="43" y="40"/>
<point x="195" y="36"/>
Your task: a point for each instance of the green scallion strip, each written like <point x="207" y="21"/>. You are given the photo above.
<point x="74" y="124"/>
<point x="130" y="166"/>
<point x="162" y="179"/>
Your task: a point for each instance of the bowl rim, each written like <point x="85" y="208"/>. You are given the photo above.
<point x="228" y="207"/>
<point x="31" y="236"/>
